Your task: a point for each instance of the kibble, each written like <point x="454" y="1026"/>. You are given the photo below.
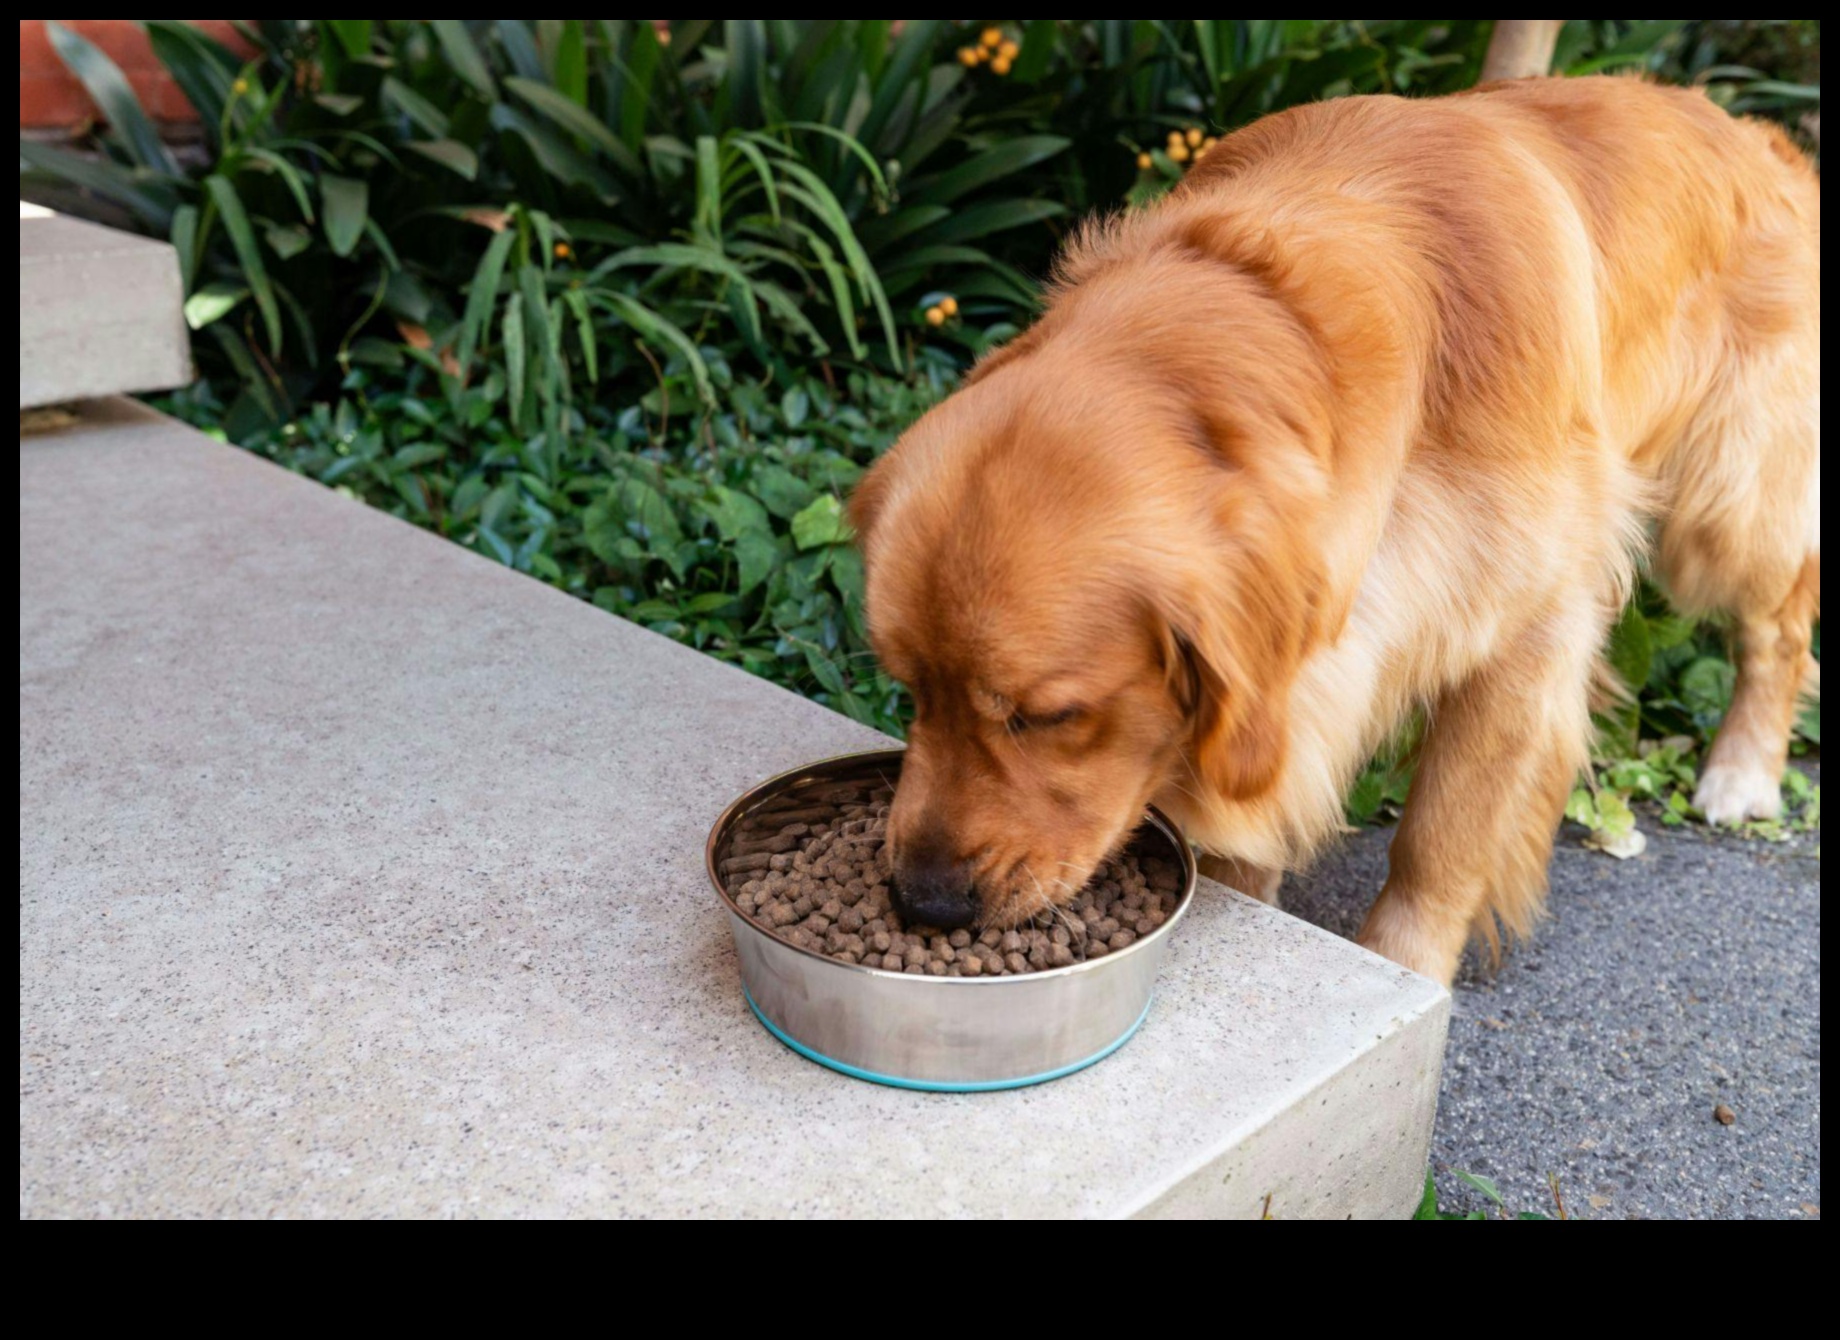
<point x="814" y="870"/>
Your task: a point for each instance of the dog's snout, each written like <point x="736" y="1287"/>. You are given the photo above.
<point x="932" y="888"/>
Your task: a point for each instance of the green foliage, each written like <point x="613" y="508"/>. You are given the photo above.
<point x="1428" y="1204"/>
<point x="784" y="187"/>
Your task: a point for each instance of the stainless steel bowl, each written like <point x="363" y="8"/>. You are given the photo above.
<point x="957" y="1034"/>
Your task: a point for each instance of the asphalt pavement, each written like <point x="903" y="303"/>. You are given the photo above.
<point x="1661" y="994"/>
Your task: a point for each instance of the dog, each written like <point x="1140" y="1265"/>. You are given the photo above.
<point x="1379" y="410"/>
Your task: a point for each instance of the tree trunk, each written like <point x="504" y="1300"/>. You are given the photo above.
<point x="1520" y="47"/>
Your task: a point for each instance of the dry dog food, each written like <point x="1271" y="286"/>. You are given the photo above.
<point x="813" y="869"/>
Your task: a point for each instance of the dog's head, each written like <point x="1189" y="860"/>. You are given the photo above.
<point x="1095" y="591"/>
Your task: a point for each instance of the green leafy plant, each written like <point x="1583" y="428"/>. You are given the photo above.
<point x="778" y="184"/>
<point x="1428" y="1207"/>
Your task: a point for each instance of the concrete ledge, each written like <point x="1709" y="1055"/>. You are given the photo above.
<point x="99" y="311"/>
<point x="361" y="876"/>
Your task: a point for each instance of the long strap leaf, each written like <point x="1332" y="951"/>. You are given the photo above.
<point x="248" y="254"/>
<point x="109" y="88"/>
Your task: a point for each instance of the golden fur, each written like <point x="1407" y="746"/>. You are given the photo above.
<point x="1378" y="411"/>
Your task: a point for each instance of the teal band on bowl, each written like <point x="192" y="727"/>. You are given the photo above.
<point x="941" y="1085"/>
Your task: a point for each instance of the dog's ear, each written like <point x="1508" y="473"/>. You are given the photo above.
<point x="1241" y="631"/>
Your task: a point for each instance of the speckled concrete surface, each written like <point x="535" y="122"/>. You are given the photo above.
<point x="361" y="876"/>
<point x="99" y="311"/>
<point x="1658" y="989"/>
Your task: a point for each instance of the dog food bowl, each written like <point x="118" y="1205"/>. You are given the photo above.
<point x="954" y="1034"/>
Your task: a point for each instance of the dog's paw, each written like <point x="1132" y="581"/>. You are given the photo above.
<point x="1730" y="793"/>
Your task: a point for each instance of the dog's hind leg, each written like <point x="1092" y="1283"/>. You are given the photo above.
<point x="1497" y="762"/>
<point x="1742" y="536"/>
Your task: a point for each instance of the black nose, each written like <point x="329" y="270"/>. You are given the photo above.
<point x="932" y="889"/>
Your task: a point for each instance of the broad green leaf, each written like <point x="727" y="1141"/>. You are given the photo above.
<point x="1427" y="1203"/>
<point x="1706" y="687"/>
<point x="576" y="120"/>
<point x="756" y="556"/>
<point x="512" y="335"/>
<point x="1038" y="41"/>
<point x="203" y="69"/>
<point x="996" y="216"/>
<point x="109" y="89"/>
<point x="795" y="405"/>
<point x="783" y="493"/>
<point x="650" y="324"/>
<point x="1581" y="808"/>
<point x="1616" y="833"/>
<point x="584" y="332"/>
<point x="270" y="161"/>
<point x="735" y="513"/>
<point x="1667" y="631"/>
<point x="746" y="41"/>
<point x="642" y="62"/>
<point x="846" y="571"/>
<point x="1001" y="160"/>
<point x="463" y="56"/>
<point x="353" y="34"/>
<point x="248" y="254"/>
<point x="147" y="193"/>
<point x="571" y="62"/>
<point x="450" y="154"/>
<point x="1481" y="1183"/>
<point x="483" y="294"/>
<point x="911" y="51"/>
<point x="184" y="239"/>
<point x="211" y="302"/>
<point x="423" y="114"/>
<point x="347" y="204"/>
<point x="1630" y="651"/>
<point x="821" y="522"/>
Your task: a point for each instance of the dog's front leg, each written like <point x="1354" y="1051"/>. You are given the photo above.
<point x="1497" y="762"/>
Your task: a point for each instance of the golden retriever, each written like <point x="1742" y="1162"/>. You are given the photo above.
<point x="1379" y="410"/>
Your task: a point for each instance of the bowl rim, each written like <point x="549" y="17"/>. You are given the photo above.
<point x="764" y="790"/>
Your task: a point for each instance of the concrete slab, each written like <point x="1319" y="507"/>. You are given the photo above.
<point x="99" y="311"/>
<point x="362" y="876"/>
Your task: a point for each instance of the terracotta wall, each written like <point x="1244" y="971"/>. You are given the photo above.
<point x="50" y="98"/>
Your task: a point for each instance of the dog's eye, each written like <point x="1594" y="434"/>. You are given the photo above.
<point x="1021" y="721"/>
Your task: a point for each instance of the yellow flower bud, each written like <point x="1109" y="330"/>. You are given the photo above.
<point x="1009" y="50"/>
<point x="1193" y="137"/>
<point x="935" y="316"/>
<point x="949" y="306"/>
<point x="1000" y="65"/>
<point x="1144" y="162"/>
<point x="562" y="251"/>
<point x="992" y="37"/>
<point x="1178" y="153"/>
<point x="967" y="55"/>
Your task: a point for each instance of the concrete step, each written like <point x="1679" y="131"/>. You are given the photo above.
<point x="99" y="311"/>
<point x="360" y="875"/>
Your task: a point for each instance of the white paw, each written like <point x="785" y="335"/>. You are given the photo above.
<point x="1730" y="794"/>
